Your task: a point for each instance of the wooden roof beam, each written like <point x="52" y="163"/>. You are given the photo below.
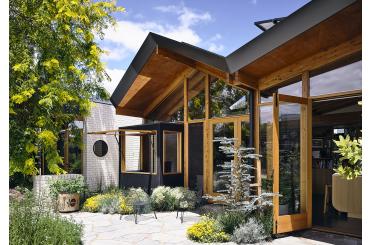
<point x="192" y="63"/>
<point x="328" y="56"/>
<point x="137" y="85"/>
<point x="242" y="79"/>
<point x="173" y="105"/>
<point x="172" y="86"/>
<point x="128" y="112"/>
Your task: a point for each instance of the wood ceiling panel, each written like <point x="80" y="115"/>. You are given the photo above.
<point x="162" y="71"/>
<point x="331" y="32"/>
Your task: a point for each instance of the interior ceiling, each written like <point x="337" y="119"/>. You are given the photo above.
<point x="333" y="106"/>
<point x="335" y="30"/>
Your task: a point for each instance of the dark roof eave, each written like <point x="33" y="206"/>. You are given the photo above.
<point x="303" y="19"/>
<point x="298" y="22"/>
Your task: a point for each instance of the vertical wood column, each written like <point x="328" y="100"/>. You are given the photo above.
<point x="306" y="120"/>
<point x="206" y="161"/>
<point x="186" y="132"/>
<point x="275" y="159"/>
<point x="257" y="138"/>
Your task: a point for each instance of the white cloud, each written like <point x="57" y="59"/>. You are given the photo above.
<point x="115" y="53"/>
<point x="215" y="47"/>
<point x="115" y="75"/>
<point x="128" y="36"/>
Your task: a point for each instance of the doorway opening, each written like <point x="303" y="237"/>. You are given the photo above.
<point x="332" y="118"/>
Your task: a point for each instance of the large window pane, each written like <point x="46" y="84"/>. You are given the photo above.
<point x="171" y="108"/>
<point x="226" y="100"/>
<point x="140" y="152"/>
<point x="196" y="96"/>
<point x="172" y="152"/>
<point x="346" y="78"/>
<point x="289" y="158"/>
<point x="246" y="135"/>
<point x="294" y="89"/>
<point x="219" y="158"/>
<point x="266" y="146"/>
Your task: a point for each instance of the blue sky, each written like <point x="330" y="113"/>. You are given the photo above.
<point x="218" y="26"/>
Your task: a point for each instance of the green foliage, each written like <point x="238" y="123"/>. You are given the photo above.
<point x="164" y="198"/>
<point x="55" y="68"/>
<point x="223" y="97"/>
<point x="250" y="232"/>
<point x="350" y="162"/>
<point x="230" y="220"/>
<point x="31" y="223"/>
<point x="134" y="195"/>
<point x="183" y="198"/>
<point x="110" y="202"/>
<point x="207" y="230"/>
<point x="70" y="186"/>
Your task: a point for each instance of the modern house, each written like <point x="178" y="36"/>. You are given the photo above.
<point x="288" y="92"/>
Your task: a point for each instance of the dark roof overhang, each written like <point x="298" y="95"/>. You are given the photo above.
<point x="307" y="17"/>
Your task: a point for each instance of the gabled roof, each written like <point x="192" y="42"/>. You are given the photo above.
<point x="292" y="26"/>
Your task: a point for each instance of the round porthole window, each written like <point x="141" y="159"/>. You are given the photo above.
<point x="100" y="148"/>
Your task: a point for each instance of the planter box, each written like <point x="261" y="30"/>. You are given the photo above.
<point x="68" y="202"/>
<point x="347" y="195"/>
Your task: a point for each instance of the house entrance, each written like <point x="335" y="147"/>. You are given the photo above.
<point x="332" y="118"/>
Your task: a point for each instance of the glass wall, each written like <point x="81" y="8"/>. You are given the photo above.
<point x="226" y="100"/>
<point x="266" y="147"/>
<point x="196" y="96"/>
<point x="225" y="129"/>
<point x="293" y="89"/>
<point x="342" y="79"/>
<point x="289" y="158"/>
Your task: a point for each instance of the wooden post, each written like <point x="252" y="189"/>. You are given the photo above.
<point x="206" y="161"/>
<point x="307" y="118"/>
<point x="206" y="88"/>
<point x="257" y="138"/>
<point x="186" y="132"/>
<point x="275" y="160"/>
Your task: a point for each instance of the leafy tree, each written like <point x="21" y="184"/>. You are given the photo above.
<point x="55" y="69"/>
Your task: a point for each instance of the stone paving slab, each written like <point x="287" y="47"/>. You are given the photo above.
<point x="109" y="229"/>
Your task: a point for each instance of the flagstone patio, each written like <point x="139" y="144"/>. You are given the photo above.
<point x="109" y="229"/>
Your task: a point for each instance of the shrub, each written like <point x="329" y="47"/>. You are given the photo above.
<point x="71" y="186"/>
<point x="230" y="220"/>
<point x="92" y="204"/>
<point x="110" y="203"/>
<point x="162" y="199"/>
<point x="183" y="198"/>
<point x="134" y="195"/>
<point x="207" y="230"/>
<point x="113" y="202"/>
<point x="265" y="217"/>
<point x="250" y="232"/>
<point x="30" y="222"/>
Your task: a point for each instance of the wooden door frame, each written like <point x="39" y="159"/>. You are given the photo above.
<point x="302" y="220"/>
<point x="208" y="184"/>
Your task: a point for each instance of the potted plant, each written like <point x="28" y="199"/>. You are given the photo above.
<point x="347" y="179"/>
<point x="67" y="192"/>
